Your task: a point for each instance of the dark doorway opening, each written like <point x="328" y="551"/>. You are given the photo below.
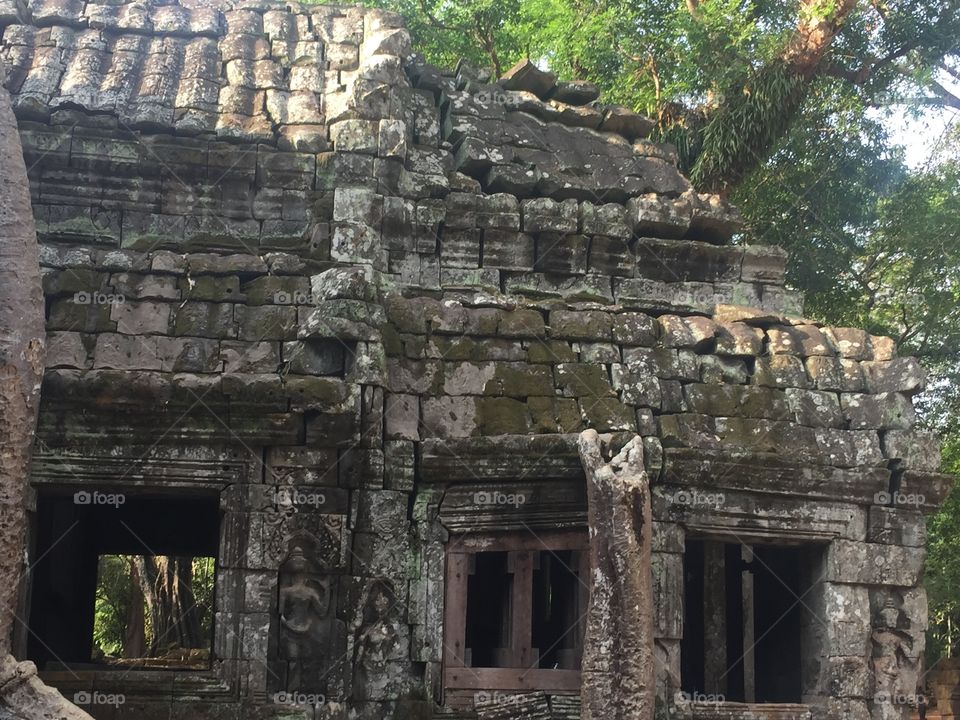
<point x="525" y="609"/>
<point x="558" y="605"/>
<point x="744" y="616"/>
<point x="489" y="592"/>
<point x="90" y="545"/>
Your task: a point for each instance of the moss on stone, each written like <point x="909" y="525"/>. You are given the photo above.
<point x="502" y="416"/>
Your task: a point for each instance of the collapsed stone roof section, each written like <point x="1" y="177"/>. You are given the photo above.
<point x="306" y="78"/>
<point x="529" y="135"/>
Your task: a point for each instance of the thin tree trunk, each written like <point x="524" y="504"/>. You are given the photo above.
<point x="617" y="680"/>
<point x="147" y="575"/>
<point x="135" y="635"/>
<point x="165" y="630"/>
<point x="186" y="605"/>
<point x="22" y="694"/>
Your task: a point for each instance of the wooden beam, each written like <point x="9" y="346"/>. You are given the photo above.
<point x="714" y="619"/>
<point x="749" y="660"/>
<point x="455" y="611"/>
<point x="510" y="679"/>
<point x="520" y="564"/>
<point x="509" y="542"/>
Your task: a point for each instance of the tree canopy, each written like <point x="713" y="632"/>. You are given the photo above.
<point x="726" y="79"/>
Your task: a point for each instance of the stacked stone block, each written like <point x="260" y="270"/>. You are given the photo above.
<point x="273" y="238"/>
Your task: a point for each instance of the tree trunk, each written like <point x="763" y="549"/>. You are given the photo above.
<point x="758" y="116"/>
<point x="814" y="35"/>
<point x="617" y="680"/>
<point x="186" y="605"/>
<point x="21" y="359"/>
<point x="135" y="635"/>
<point x="167" y="585"/>
<point x="22" y="336"/>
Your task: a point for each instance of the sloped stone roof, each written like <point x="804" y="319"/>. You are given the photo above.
<point x="242" y="70"/>
<point x="305" y="77"/>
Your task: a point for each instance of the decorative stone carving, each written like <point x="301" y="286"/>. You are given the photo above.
<point x="311" y="637"/>
<point x="377" y="641"/>
<point x="895" y="657"/>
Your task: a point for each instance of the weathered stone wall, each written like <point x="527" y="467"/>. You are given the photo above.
<point x="284" y="258"/>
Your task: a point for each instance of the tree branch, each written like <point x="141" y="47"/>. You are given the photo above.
<point x="740" y="132"/>
<point x="656" y="78"/>
<point x="868" y="67"/>
<point x="485" y="36"/>
<point x="944" y="96"/>
<point x="954" y="72"/>
<point x="436" y="22"/>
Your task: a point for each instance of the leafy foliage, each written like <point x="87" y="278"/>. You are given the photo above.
<point x="116" y="591"/>
<point x="755" y="118"/>
<point x="943" y="571"/>
<point x="112" y="604"/>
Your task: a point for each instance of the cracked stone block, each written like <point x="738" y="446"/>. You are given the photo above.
<point x="67" y="350"/>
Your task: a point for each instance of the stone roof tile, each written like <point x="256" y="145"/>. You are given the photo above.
<point x="264" y="71"/>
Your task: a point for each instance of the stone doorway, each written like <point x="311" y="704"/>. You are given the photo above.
<point x="77" y="532"/>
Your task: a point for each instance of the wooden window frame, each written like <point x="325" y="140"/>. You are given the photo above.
<point x="777" y="710"/>
<point x="521" y="546"/>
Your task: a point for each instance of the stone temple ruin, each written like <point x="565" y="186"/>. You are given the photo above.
<point x="337" y="318"/>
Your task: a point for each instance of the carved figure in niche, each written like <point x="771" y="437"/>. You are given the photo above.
<point x="895" y="663"/>
<point x="310" y="634"/>
<point x="377" y="641"/>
